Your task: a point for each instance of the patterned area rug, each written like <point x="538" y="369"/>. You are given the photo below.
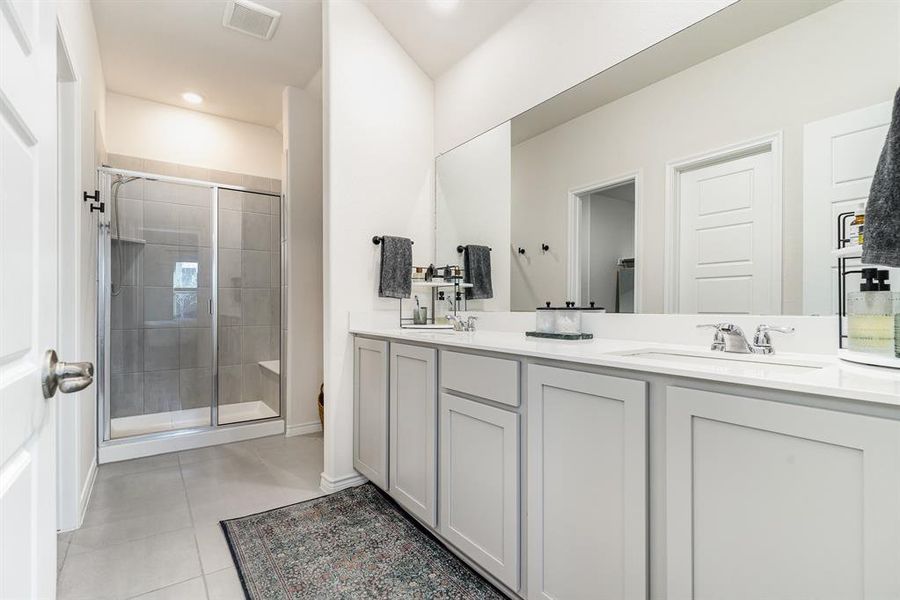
<point x="353" y="544"/>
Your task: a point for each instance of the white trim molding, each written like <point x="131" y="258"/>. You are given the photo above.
<point x="575" y="208"/>
<point x="771" y="142"/>
<point x="331" y="485"/>
<point x="302" y="428"/>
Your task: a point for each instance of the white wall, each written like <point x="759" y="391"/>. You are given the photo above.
<point x="545" y="49"/>
<point x="77" y="448"/>
<point x="146" y="129"/>
<point x="473" y="207"/>
<point x="302" y="180"/>
<point x="838" y="59"/>
<point x="378" y="157"/>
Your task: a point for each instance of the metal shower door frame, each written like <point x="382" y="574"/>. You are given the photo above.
<point x="104" y="299"/>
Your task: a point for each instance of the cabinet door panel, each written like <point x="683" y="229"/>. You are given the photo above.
<point x="769" y="500"/>
<point x="370" y="410"/>
<point x="479" y="484"/>
<point x="413" y="419"/>
<point x="587" y="485"/>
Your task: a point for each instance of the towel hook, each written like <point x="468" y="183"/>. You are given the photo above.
<point x="545" y="247"/>
<point x="380" y="238"/>
<point x="521" y="250"/>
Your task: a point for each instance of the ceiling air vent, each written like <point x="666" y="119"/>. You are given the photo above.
<point x="251" y="18"/>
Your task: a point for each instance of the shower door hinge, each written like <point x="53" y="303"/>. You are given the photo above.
<point x="99" y="206"/>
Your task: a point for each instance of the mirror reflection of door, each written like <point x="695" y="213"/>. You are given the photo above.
<point x="607" y="248"/>
<point x="727" y="248"/>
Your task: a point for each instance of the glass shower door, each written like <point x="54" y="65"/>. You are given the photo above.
<point x="161" y="348"/>
<point x="249" y="292"/>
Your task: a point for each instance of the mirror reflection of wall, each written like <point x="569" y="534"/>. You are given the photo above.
<point x="748" y="134"/>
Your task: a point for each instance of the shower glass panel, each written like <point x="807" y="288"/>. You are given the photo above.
<point x="159" y="244"/>
<point x="249" y="290"/>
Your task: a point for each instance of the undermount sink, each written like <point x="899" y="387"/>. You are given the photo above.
<point x="728" y="362"/>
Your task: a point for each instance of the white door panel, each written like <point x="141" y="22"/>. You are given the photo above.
<point x="727" y="238"/>
<point x="28" y="297"/>
<point x="840" y="154"/>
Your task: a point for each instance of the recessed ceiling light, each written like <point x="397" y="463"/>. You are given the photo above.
<point x="444" y="6"/>
<point x="192" y="98"/>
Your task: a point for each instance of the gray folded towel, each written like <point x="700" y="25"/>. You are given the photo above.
<point x="882" y="229"/>
<point x="478" y="273"/>
<point x="396" y="267"/>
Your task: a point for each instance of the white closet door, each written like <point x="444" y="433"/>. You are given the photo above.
<point x="28" y="298"/>
<point x="727" y="240"/>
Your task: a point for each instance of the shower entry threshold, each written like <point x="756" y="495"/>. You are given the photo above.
<point x="176" y="440"/>
<point x="121" y="427"/>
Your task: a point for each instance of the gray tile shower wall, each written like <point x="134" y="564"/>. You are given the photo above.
<point x="161" y="338"/>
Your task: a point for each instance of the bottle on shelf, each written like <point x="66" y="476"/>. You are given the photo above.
<point x="871" y="314"/>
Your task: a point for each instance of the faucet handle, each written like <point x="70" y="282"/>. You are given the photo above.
<point x="762" y="339"/>
<point x="718" y="343"/>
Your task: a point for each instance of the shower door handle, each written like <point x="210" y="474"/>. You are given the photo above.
<point x="67" y="377"/>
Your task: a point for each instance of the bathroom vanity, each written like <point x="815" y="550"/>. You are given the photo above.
<point x="624" y="469"/>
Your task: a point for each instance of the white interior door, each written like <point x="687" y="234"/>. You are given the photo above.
<point x="840" y="154"/>
<point x="729" y="237"/>
<point x="28" y="297"/>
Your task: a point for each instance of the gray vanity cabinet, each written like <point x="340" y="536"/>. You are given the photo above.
<point x="413" y="430"/>
<point x="479" y="484"/>
<point x="587" y="485"/>
<point x="370" y="410"/>
<point x="772" y="500"/>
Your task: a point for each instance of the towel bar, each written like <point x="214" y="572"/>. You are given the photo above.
<point x="377" y="239"/>
<point x="460" y="249"/>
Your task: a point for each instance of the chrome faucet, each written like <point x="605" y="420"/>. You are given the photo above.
<point x="730" y="338"/>
<point x="460" y="325"/>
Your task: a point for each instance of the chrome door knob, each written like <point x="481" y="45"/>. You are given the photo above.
<point x="67" y="377"/>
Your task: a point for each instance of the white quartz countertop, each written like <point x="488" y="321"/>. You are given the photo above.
<point x="832" y="377"/>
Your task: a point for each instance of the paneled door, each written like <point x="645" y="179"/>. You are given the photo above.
<point x="776" y="501"/>
<point x="413" y="430"/>
<point x="587" y="490"/>
<point x="840" y="154"/>
<point x="28" y="298"/>
<point x="370" y="410"/>
<point x="729" y="237"/>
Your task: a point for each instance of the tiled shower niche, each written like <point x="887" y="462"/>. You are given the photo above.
<point x="161" y="345"/>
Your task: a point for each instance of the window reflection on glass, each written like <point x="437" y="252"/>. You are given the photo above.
<point x="184" y="296"/>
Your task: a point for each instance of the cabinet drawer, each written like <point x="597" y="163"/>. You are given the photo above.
<point x="494" y="379"/>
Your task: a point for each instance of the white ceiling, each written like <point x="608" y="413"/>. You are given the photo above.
<point x="158" y="49"/>
<point x="437" y="33"/>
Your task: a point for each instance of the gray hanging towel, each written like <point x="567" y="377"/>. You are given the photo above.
<point x="396" y="267"/>
<point x="882" y="228"/>
<point x="478" y="273"/>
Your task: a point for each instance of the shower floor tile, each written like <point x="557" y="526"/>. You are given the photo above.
<point x="151" y="527"/>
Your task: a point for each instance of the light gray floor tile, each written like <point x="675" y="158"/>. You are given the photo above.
<point x="227" y="451"/>
<point x="214" y="552"/>
<point x="192" y="589"/>
<point x="224" y="585"/>
<point x="136" y="495"/>
<point x="100" y="536"/>
<point x="132" y="568"/>
<point x="137" y="465"/>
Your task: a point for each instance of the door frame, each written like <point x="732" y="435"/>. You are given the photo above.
<point x="576" y="204"/>
<point x="73" y="486"/>
<point x="771" y="142"/>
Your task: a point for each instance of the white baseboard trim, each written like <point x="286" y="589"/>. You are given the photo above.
<point x="302" y="428"/>
<point x="331" y="485"/>
<point x="126" y="449"/>
<point x="84" y="497"/>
